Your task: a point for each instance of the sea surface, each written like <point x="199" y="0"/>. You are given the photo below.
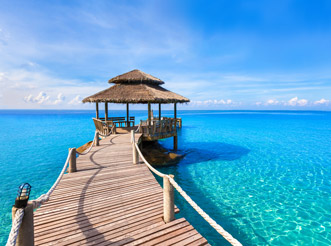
<point x="265" y="176"/>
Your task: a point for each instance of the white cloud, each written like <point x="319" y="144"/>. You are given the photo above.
<point x="28" y="98"/>
<point x="293" y="101"/>
<point x="322" y="102"/>
<point x="41" y="98"/>
<point x="60" y="98"/>
<point x="212" y="102"/>
<point x="303" y="102"/>
<point x="75" y="101"/>
<point x="296" y="102"/>
<point x="272" y="102"/>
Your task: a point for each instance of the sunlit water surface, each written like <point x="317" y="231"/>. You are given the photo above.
<point x="264" y="176"/>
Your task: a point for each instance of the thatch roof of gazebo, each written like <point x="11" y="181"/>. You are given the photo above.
<point x="136" y="87"/>
<point x="135" y="76"/>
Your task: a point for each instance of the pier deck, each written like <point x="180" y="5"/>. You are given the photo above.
<point x="109" y="201"/>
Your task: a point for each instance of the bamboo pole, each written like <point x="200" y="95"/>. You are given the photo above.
<point x="168" y="200"/>
<point x="26" y="231"/>
<point x="159" y="111"/>
<point x="72" y="161"/>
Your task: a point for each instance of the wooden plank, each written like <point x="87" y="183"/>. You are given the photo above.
<point x="109" y="201"/>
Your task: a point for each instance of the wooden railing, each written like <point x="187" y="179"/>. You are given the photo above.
<point x="119" y="121"/>
<point x="102" y="128"/>
<point x="158" y="128"/>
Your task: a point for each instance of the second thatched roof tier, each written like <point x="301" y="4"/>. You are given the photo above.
<point x="136" y="93"/>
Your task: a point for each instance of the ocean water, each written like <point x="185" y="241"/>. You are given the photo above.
<point x="265" y="176"/>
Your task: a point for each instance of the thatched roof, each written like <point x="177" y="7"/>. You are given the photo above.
<point x="145" y="90"/>
<point x="135" y="76"/>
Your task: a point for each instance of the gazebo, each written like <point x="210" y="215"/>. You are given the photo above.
<point x="137" y="87"/>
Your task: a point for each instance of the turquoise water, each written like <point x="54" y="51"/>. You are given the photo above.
<point x="264" y="176"/>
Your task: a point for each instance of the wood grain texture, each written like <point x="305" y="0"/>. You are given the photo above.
<point x="110" y="201"/>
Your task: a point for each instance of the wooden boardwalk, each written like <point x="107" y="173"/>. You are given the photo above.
<point x="110" y="201"/>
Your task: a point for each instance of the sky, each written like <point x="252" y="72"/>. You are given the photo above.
<point x="257" y="55"/>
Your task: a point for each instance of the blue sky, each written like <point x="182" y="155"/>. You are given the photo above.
<point x="220" y="54"/>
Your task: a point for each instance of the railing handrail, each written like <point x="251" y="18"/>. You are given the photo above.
<point x="204" y="215"/>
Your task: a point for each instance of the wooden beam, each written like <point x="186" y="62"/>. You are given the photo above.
<point x="159" y="111"/>
<point x="127" y="115"/>
<point x="149" y="114"/>
<point x="175" y="110"/>
<point x="106" y="111"/>
<point x="97" y="110"/>
<point x="175" y="142"/>
<point x="175" y="137"/>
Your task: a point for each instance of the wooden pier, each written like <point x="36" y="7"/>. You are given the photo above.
<point x="108" y="197"/>
<point x="110" y="201"/>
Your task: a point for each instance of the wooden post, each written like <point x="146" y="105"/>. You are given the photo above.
<point x="72" y="161"/>
<point x="175" y="137"/>
<point x="159" y="111"/>
<point x="106" y="111"/>
<point x="97" y="139"/>
<point x="97" y="110"/>
<point x="175" y="110"/>
<point x="149" y="114"/>
<point x="26" y="232"/>
<point x="168" y="200"/>
<point x="135" y="156"/>
<point x="175" y="142"/>
<point x="127" y="116"/>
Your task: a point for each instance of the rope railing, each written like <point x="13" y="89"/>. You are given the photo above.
<point x="105" y="135"/>
<point x="45" y="197"/>
<point x="204" y="215"/>
<point x="89" y="149"/>
<point x="15" y="227"/>
<point x="16" y="224"/>
<point x="149" y="165"/>
<point x="227" y="236"/>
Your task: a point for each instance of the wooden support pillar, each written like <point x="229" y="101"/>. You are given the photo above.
<point x="26" y="231"/>
<point x="127" y="116"/>
<point x="72" y="161"/>
<point x="135" y="157"/>
<point x="168" y="200"/>
<point x="97" y="139"/>
<point x="97" y="110"/>
<point x="175" y="110"/>
<point x="175" y="129"/>
<point x="149" y="114"/>
<point x="106" y="111"/>
<point x="175" y="142"/>
<point x="159" y="111"/>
